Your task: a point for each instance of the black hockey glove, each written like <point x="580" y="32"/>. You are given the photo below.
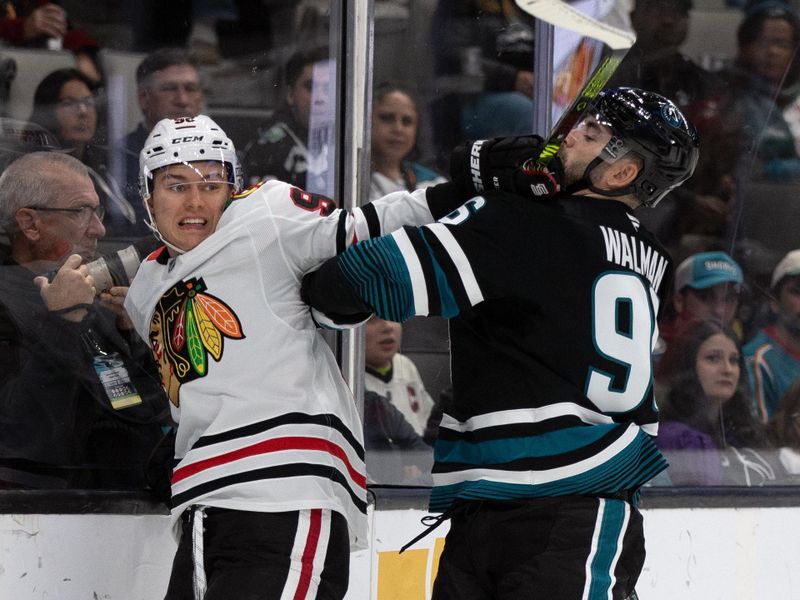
<point x="507" y="164"/>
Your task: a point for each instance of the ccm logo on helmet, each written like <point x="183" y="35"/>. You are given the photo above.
<point x="188" y="138"/>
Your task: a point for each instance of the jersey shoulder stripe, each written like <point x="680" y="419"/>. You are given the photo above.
<point x="422" y="256"/>
<point x="445" y="285"/>
<point x="463" y="268"/>
<point x="372" y="219"/>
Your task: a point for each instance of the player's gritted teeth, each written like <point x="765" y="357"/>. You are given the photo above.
<point x="193" y="222"/>
<point x="188" y="200"/>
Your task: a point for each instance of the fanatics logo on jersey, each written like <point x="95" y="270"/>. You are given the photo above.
<point x="187" y="326"/>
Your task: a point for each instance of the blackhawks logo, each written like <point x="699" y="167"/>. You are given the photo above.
<point x="188" y="326"/>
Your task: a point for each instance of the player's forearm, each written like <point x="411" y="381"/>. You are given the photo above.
<point x="330" y="292"/>
<point x="368" y="277"/>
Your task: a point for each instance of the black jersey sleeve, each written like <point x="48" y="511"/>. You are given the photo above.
<point x="414" y="271"/>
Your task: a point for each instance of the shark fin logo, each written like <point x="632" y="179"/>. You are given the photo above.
<point x="672" y="115"/>
<point x="188" y="326"/>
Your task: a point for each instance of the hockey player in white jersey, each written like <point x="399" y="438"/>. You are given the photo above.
<point x="269" y="480"/>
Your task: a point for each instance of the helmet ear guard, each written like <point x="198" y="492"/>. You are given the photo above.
<point x="654" y="129"/>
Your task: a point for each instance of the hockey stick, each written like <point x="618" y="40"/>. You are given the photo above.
<point x="562" y="15"/>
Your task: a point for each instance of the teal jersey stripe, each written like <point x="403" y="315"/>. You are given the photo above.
<point x="607" y="544"/>
<point x="362" y="265"/>
<point x="449" y="306"/>
<point x="627" y="470"/>
<point x="505" y="450"/>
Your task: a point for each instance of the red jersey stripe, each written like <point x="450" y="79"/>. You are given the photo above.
<point x="273" y="445"/>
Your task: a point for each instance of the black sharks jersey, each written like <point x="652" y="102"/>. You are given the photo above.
<point x="553" y="309"/>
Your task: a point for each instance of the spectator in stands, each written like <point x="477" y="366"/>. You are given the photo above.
<point x="394" y="138"/>
<point x="167" y="86"/>
<point x="765" y="90"/>
<point x="394" y="449"/>
<point x="773" y="355"/>
<point x="18" y="138"/>
<point x="65" y="104"/>
<point x="44" y="24"/>
<point x="701" y="207"/>
<point x="708" y="410"/>
<point x="80" y="400"/>
<point x="280" y="150"/>
<point x="783" y="429"/>
<point x="393" y="375"/>
<point x="707" y="285"/>
<point x="491" y="42"/>
<point x="655" y="62"/>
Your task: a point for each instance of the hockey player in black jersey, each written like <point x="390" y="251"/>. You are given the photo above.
<point x="552" y="306"/>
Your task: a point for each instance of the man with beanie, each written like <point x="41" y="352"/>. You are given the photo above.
<point x="773" y="355"/>
<point x="708" y="285"/>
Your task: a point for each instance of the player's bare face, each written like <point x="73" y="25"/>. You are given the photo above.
<point x="581" y="146"/>
<point x="717" y="366"/>
<point x="188" y="200"/>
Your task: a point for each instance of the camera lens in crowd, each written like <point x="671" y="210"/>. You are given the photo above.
<point x="119" y="267"/>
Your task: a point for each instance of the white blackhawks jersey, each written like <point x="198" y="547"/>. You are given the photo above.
<point x="265" y="420"/>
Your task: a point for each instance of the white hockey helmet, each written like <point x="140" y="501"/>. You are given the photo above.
<point x="185" y="140"/>
<point x="182" y="141"/>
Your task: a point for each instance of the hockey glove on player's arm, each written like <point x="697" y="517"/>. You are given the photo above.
<point x="507" y="164"/>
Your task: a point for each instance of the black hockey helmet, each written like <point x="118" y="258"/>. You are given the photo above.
<point x="651" y="126"/>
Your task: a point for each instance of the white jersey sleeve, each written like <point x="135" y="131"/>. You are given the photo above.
<point x="311" y="229"/>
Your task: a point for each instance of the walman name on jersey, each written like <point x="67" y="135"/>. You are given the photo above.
<point x="634" y="254"/>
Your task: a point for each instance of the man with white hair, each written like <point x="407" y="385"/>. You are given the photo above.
<point x="79" y="404"/>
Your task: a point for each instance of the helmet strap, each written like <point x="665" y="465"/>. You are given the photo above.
<point x="585" y="183"/>
<point x="151" y="225"/>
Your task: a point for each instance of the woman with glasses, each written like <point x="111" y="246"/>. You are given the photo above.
<point x="707" y="428"/>
<point x="66" y="105"/>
